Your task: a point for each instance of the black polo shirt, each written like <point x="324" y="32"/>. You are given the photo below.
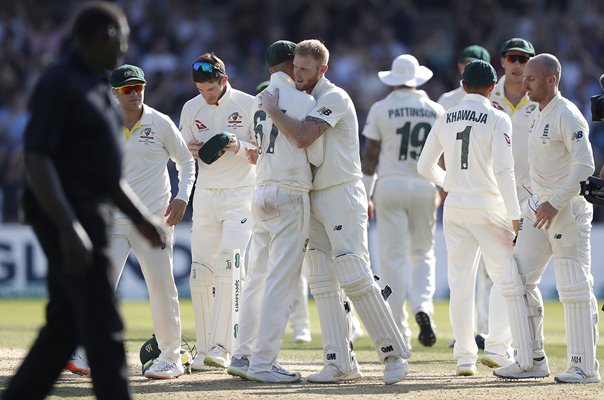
<point x="74" y="122"/>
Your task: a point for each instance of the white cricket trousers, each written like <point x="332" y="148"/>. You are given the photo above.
<point x="280" y="232"/>
<point x="468" y="233"/>
<point x="157" y="268"/>
<point x="406" y="213"/>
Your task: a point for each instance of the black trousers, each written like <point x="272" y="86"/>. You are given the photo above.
<point x="80" y="309"/>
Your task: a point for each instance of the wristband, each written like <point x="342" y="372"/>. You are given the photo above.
<point x="369" y="183"/>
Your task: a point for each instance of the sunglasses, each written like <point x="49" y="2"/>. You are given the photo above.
<point x="512" y="58"/>
<point x="131" y="88"/>
<point x="205" y="67"/>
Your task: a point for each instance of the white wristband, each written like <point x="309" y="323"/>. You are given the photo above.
<point x="369" y="183"/>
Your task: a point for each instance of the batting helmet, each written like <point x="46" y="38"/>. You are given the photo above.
<point x="593" y="190"/>
<point x="213" y="149"/>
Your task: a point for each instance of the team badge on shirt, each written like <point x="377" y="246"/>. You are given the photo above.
<point x="146" y="136"/>
<point x="235" y="120"/>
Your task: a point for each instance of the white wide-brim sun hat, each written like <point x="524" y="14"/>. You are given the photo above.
<point x="406" y="71"/>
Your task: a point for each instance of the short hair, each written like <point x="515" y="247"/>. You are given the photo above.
<point x="551" y="64"/>
<point x="218" y="69"/>
<point x="313" y="48"/>
<point x="94" y="18"/>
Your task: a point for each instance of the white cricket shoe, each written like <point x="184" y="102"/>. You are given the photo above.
<point x="217" y="357"/>
<point x="277" y="374"/>
<point x="466" y="369"/>
<point x="199" y="365"/>
<point x="165" y="370"/>
<point x="576" y="375"/>
<point x="238" y="367"/>
<point x="302" y="336"/>
<point x="331" y="373"/>
<point x="494" y="360"/>
<point x="395" y="369"/>
<point x="540" y="369"/>
<point x="78" y="364"/>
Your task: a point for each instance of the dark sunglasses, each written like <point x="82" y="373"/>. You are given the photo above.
<point x="131" y="88"/>
<point x="205" y="67"/>
<point x="512" y="58"/>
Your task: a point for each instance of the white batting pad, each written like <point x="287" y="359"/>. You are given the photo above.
<point x="201" y="282"/>
<point x="513" y="291"/>
<point x="580" y="315"/>
<point x="357" y="281"/>
<point x="326" y="291"/>
<point x="221" y="328"/>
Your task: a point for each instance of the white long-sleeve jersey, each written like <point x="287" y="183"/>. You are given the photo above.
<point x="281" y="162"/>
<point x="520" y="116"/>
<point x="560" y="153"/>
<point x="342" y="161"/>
<point x="401" y="123"/>
<point x="477" y="143"/>
<point x="451" y="98"/>
<point x="201" y="121"/>
<point x="147" y="147"/>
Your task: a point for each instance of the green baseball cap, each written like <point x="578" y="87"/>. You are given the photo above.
<point x="122" y="76"/>
<point x="479" y="73"/>
<point x="280" y="51"/>
<point x="518" y="44"/>
<point x="474" y="52"/>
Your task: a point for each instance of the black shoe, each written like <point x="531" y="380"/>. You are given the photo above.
<point x="426" y="337"/>
<point x="479" y="341"/>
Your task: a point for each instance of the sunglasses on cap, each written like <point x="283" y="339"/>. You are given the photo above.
<point x="139" y="87"/>
<point x="512" y="58"/>
<point x="205" y="66"/>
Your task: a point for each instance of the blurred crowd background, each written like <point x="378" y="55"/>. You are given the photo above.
<point x="363" y="36"/>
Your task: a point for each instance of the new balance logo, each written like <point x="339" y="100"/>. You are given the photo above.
<point x="330" y="356"/>
<point x="337" y="228"/>
<point x="558" y="236"/>
<point x="387" y="349"/>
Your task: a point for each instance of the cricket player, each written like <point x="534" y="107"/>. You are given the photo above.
<point x="338" y="255"/>
<point x="405" y="202"/>
<point x="510" y="97"/>
<point x="281" y="211"/>
<point x="221" y="204"/>
<point x="556" y="223"/>
<point x="483" y="282"/>
<point x="150" y="140"/>
<point x="481" y="211"/>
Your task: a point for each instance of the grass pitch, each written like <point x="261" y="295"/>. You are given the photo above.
<point x="432" y="370"/>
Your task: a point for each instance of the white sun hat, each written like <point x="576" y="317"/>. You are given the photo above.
<point x="406" y="71"/>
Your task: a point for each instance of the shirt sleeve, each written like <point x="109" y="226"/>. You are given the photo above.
<point x="330" y="108"/>
<point x="503" y="165"/>
<point x="371" y="129"/>
<point x="427" y="164"/>
<point x="185" y="164"/>
<point x="185" y="124"/>
<point x="575" y="135"/>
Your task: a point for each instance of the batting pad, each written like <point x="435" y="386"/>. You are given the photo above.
<point x="332" y="317"/>
<point x="359" y="284"/>
<point x="512" y="290"/>
<point x="201" y="283"/>
<point x="580" y="314"/>
<point x="220" y="332"/>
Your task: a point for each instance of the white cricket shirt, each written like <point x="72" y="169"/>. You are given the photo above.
<point x="477" y="144"/>
<point x="401" y="123"/>
<point x="520" y="116"/>
<point x="150" y="143"/>
<point x="200" y="120"/>
<point x="281" y="162"/>
<point x="452" y="98"/>
<point x="342" y="161"/>
<point x="559" y="153"/>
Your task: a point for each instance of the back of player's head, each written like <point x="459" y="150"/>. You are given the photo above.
<point x="280" y="52"/>
<point x="313" y="48"/>
<point x="479" y="74"/>
<point x="208" y="68"/>
<point x="472" y="53"/>
<point x="95" y="18"/>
